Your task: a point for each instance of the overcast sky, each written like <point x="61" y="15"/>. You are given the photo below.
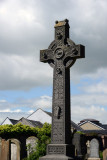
<point x="26" y="27"/>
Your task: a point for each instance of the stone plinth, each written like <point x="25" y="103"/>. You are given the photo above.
<point x="55" y="157"/>
<point x="93" y="158"/>
<point x="59" y="151"/>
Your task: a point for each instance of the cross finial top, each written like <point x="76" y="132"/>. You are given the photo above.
<point x="62" y="31"/>
<point x="61" y="23"/>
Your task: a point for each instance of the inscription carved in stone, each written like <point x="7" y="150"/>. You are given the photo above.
<point x="56" y="150"/>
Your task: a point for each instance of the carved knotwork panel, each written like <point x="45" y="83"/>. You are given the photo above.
<point x="55" y="149"/>
<point x="53" y="45"/>
<point x="58" y="134"/>
<point x="58" y="53"/>
<point x="59" y="34"/>
<point x="58" y="90"/>
<point x="65" y="52"/>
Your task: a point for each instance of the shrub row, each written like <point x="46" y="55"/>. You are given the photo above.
<point x="43" y="134"/>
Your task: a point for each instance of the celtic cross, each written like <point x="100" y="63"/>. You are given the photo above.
<point x="61" y="55"/>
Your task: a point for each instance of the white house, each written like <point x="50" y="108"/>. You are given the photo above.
<point x="41" y="116"/>
<point x="9" y="121"/>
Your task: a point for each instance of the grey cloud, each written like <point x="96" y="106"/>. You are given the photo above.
<point x="29" y="27"/>
<point x="23" y="73"/>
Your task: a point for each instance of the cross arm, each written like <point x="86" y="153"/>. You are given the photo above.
<point x="46" y="55"/>
<point x="75" y="52"/>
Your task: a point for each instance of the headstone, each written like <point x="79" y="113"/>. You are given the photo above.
<point x="61" y="55"/>
<point x="105" y="154"/>
<point x="4" y="149"/>
<point x="15" y="149"/>
<point x="77" y="143"/>
<point x="94" y="150"/>
<point x="10" y="149"/>
<point x="31" y="144"/>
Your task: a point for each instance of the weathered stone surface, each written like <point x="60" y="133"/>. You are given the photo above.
<point x="94" y="148"/>
<point x="93" y="158"/>
<point x="105" y="154"/>
<point x="15" y="149"/>
<point x="12" y="148"/>
<point x="4" y="152"/>
<point x="31" y="144"/>
<point x="61" y="55"/>
<point x="77" y="143"/>
<point x="60" y="149"/>
<point x="56" y="157"/>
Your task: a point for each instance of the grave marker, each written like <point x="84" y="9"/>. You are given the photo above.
<point x="94" y="150"/>
<point x="61" y="55"/>
<point x="31" y="144"/>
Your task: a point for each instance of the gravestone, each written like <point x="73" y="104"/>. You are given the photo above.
<point x="31" y="144"/>
<point x="105" y="154"/>
<point x="4" y="149"/>
<point x="61" y="55"/>
<point x="10" y="149"/>
<point x="94" y="150"/>
<point x="77" y="143"/>
<point x="14" y="149"/>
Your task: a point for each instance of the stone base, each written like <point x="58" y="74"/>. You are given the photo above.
<point x="55" y="157"/>
<point x="93" y="159"/>
<point x="59" y="152"/>
<point x="61" y="149"/>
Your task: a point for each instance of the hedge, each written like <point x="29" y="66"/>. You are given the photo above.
<point x="43" y="134"/>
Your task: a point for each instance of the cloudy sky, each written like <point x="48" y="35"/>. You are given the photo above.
<point x="26" y="27"/>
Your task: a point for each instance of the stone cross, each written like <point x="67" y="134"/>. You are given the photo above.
<point x="61" y="55"/>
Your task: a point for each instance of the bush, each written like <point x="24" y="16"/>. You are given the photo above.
<point x="101" y="154"/>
